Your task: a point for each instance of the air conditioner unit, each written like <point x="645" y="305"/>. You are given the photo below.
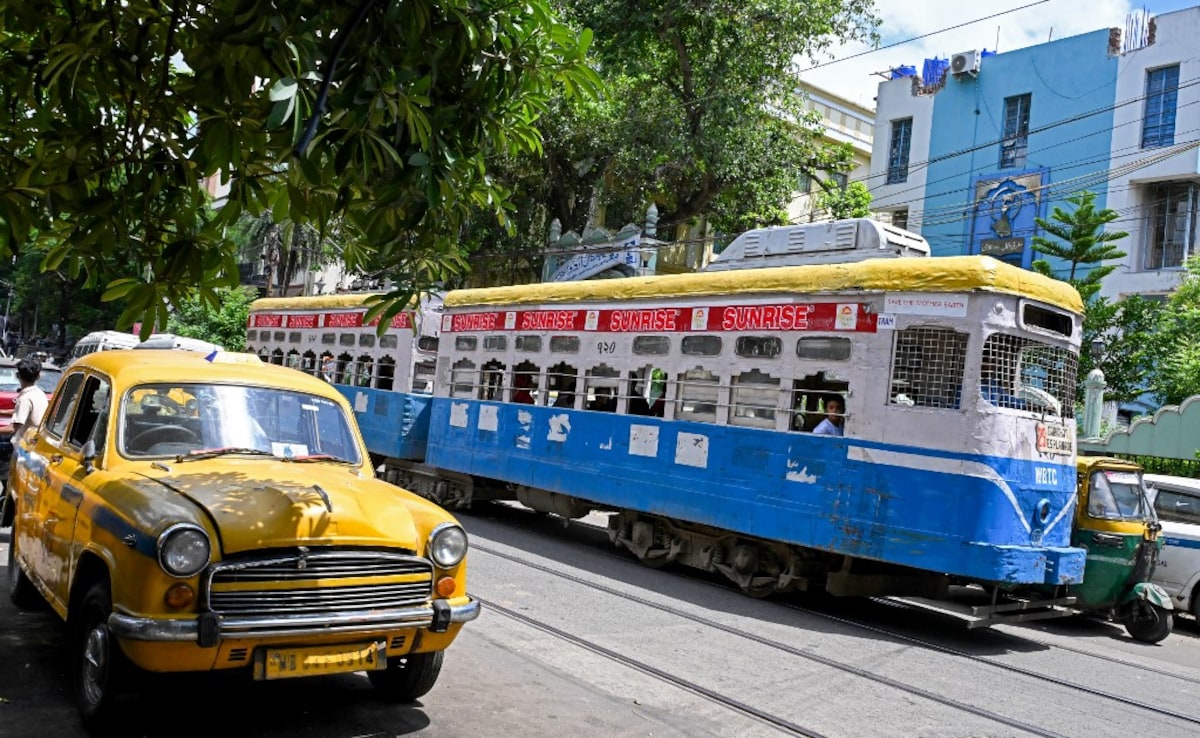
<point x="965" y="63"/>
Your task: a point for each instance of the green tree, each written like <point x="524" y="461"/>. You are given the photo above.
<point x="852" y="201"/>
<point x="1125" y="330"/>
<point x="703" y="115"/>
<point x="1177" y="341"/>
<point x="1080" y="239"/>
<point x="221" y="320"/>
<point x="385" y="114"/>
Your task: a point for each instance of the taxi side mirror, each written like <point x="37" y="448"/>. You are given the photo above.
<point x="89" y="456"/>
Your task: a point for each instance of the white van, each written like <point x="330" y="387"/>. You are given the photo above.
<point x="102" y="341"/>
<point x="1177" y="502"/>
<point x="181" y="343"/>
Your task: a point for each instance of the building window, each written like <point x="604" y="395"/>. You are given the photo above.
<point x="840" y="180"/>
<point x="1171" y="226"/>
<point x="1158" y="121"/>
<point x="1016" y="132"/>
<point x="898" y="151"/>
<point x="900" y="218"/>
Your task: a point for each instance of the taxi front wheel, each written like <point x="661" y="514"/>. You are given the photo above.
<point x="100" y="669"/>
<point x="407" y="678"/>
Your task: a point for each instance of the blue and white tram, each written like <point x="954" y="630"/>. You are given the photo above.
<point x="389" y="377"/>
<point x="685" y="406"/>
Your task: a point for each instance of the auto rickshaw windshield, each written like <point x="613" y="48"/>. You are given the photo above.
<point x="1119" y="495"/>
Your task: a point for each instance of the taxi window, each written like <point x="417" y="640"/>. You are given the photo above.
<point x="64" y="405"/>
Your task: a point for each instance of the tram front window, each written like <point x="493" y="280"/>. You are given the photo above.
<point x="1118" y="495"/>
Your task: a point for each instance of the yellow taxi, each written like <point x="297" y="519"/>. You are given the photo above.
<point x="184" y="513"/>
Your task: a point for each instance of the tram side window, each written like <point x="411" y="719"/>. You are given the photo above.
<point x="647" y="391"/>
<point x="423" y="374"/>
<point x="279" y="336"/>
<point x="759" y="347"/>
<point x="465" y="343"/>
<point x="700" y="345"/>
<point x="427" y="343"/>
<point x="651" y="345"/>
<point x="345" y="369"/>
<point x="328" y="339"/>
<point x="462" y="379"/>
<point x="387" y="373"/>
<point x="827" y="348"/>
<point x="277" y="357"/>
<point x="927" y="367"/>
<point x="294" y="337"/>
<point x="308" y="363"/>
<point x="532" y="344"/>
<point x="366" y="340"/>
<point x="365" y="371"/>
<point x="251" y="335"/>
<point x="525" y="383"/>
<point x="495" y="343"/>
<point x="699" y="391"/>
<point x="491" y="381"/>
<point x="388" y="341"/>
<point x="564" y="344"/>
<point x="754" y="398"/>
<point x="293" y="359"/>
<point x="561" y="380"/>
<point x="809" y="396"/>
<point x="601" y="389"/>
<point x="347" y="339"/>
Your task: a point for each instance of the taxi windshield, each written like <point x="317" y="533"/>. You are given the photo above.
<point x="1119" y="495"/>
<point x="182" y="419"/>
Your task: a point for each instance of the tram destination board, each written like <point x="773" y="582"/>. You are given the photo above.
<point x="1055" y="438"/>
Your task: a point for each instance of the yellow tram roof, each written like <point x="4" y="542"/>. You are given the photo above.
<point x="308" y="302"/>
<point x="934" y="274"/>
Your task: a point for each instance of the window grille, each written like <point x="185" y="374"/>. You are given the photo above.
<point x="1158" y="117"/>
<point x="698" y="395"/>
<point x="601" y="386"/>
<point x="277" y="357"/>
<point x="309" y="362"/>
<point x="462" y="379"/>
<point x="491" y="381"/>
<point x="1171" y="227"/>
<point x="560" y="381"/>
<point x="1016" y="131"/>
<point x="1011" y="363"/>
<point x="927" y="367"/>
<point x="293" y="359"/>
<point x="364" y="372"/>
<point x="387" y="373"/>
<point x="897" y="172"/>
<point x="755" y="397"/>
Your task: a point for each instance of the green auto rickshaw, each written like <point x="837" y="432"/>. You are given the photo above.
<point x="1116" y="524"/>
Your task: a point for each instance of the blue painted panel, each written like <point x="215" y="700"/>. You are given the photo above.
<point x="960" y="514"/>
<point x="393" y="424"/>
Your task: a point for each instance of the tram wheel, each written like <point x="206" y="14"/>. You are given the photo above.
<point x="655" y="562"/>
<point x="759" y="591"/>
<point x="1149" y="623"/>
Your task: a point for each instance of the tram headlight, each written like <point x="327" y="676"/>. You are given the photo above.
<point x="447" y="545"/>
<point x="184" y="550"/>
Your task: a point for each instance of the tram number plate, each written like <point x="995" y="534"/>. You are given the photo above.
<point x="284" y="663"/>
<point x="1054" y="439"/>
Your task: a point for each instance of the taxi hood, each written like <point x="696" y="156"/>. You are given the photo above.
<point x="288" y="504"/>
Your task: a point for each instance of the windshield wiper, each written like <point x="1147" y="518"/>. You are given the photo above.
<point x="317" y="457"/>
<point x="208" y="453"/>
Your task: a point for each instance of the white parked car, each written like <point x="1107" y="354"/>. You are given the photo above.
<point x="1177" y="502"/>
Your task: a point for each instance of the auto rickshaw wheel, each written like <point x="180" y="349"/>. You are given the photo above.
<point x="1148" y="622"/>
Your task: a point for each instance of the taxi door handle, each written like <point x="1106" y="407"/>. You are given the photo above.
<point x="56" y="458"/>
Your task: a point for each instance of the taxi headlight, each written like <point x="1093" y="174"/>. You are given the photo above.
<point x="184" y="550"/>
<point x="447" y="545"/>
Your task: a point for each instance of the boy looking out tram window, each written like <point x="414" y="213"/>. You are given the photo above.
<point x="835" y="418"/>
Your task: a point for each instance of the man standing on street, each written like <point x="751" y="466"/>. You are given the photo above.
<point x="31" y="401"/>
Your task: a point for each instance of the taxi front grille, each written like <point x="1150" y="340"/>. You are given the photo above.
<point x="318" y="582"/>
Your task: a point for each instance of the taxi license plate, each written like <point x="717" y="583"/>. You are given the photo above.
<point x="286" y="663"/>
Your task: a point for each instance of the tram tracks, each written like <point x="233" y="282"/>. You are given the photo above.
<point x="901" y="637"/>
<point x="805" y="654"/>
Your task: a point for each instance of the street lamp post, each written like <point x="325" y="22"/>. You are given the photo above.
<point x="1093" y="393"/>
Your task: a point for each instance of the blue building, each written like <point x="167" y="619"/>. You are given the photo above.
<point x="971" y="157"/>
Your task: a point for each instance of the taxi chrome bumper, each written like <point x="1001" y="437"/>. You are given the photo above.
<point x="210" y="628"/>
